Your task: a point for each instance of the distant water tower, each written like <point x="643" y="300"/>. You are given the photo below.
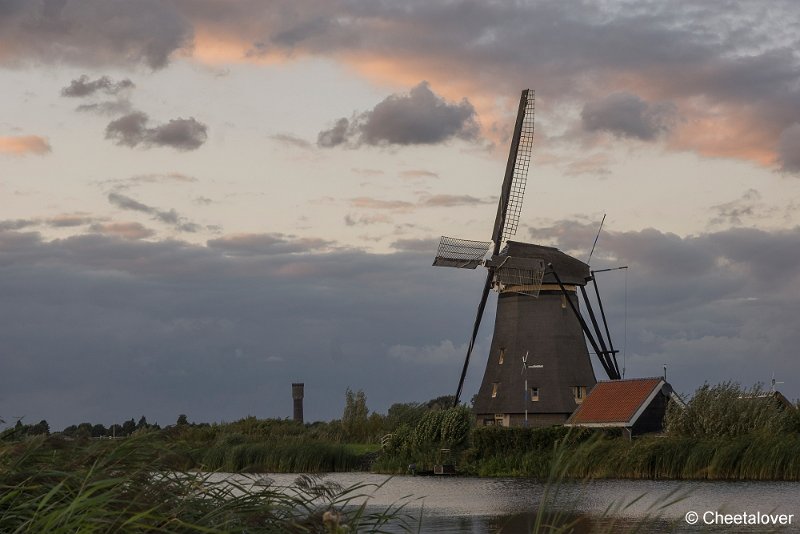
<point x="297" y="395"/>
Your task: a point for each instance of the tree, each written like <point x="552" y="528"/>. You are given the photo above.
<point x="84" y="430"/>
<point x="98" y="431"/>
<point x="142" y="423"/>
<point x="443" y="402"/>
<point x="408" y="413"/>
<point x="354" y="418"/>
<point x="40" y="429"/>
<point x="128" y="427"/>
<point x="182" y="420"/>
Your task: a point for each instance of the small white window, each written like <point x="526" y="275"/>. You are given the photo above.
<point x="534" y="394"/>
<point x="494" y="389"/>
<point x="579" y="393"/>
<point x="502" y="355"/>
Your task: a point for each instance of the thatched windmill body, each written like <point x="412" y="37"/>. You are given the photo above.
<point x="538" y="322"/>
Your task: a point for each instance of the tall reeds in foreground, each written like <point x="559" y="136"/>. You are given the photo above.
<point x="49" y="485"/>
<point x="557" y="507"/>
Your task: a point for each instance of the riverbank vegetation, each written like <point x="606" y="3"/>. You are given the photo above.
<point x="724" y="432"/>
<point x="50" y="484"/>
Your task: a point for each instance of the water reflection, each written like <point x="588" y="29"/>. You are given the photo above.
<point x="509" y="505"/>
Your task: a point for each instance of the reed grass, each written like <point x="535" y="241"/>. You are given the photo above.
<point x="49" y="485"/>
<point x="282" y="458"/>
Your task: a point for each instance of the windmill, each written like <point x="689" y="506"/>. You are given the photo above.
<point x="537" y="308"/>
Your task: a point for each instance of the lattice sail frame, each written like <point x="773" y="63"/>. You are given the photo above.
<point x="521" y="165"/>
<point x="460" y="253"/>
<point x="525" y="279"/>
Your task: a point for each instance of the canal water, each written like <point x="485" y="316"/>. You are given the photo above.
<point x="510" y="505"/>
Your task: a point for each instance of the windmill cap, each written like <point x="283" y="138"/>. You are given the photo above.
<point x="570" y="270"/>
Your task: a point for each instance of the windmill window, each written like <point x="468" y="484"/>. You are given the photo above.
<point x="534" y="394"/>
<point x="579" y="392"/>
<point x="494" y="389"/>
<point x="563" y="301"/>
<point x="502" y="355"/>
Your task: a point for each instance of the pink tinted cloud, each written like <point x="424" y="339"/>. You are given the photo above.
<point x="24" y="144"/>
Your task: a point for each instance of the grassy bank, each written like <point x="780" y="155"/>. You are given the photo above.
<point x="594" y="455"/>
<point x="137" y="485"/>
<point x="723" y="433"/>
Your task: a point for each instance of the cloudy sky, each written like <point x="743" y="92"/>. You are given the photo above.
<point x="204" y="201"/>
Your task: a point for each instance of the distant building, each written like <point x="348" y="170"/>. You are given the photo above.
<point x="636" y="405"/>
<point x="297" y="397"/>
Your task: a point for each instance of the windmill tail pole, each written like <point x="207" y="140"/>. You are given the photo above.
<point x="481" y="306"/>
<point x="595" y="325"/>
<point x="609" y="371"/>
<point x="605" y="322"/>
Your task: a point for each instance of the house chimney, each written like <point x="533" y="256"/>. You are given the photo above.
<point x="297" y="395"/>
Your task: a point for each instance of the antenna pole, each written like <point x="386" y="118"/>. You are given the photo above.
<point x="595" y="239"/>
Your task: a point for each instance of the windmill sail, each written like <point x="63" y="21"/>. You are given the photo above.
<point x="519" y="160"/>
<point x="509" y="206"/>
<point x="461" y="253"/>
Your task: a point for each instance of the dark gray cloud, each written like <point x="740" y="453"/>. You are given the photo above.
<point x="706" y="305"/>
<point x="366" y="220"/>
<point x="267" y="244"/>
<point x="735" y="212"/>
<point x="83" y="86"/>
<point x="132" y="130"/>
<point x="17" y="224"/>
<point x="70" y="220"/>
<point x="730" y="69"/>
<point x="291" y="140"/>
<point x="380" y="204"/>
<point x="161" y="328"/>
<point x="627" y="115"/>
<point x="125" y="230"/>
<point x="593" y="164"/>
<point x="335" y="136"/>
<point x="92" y="32"/>
<point x="418" y="118"/>
<point x="447" y="201"/>
<point x="789" y="149"/>
<point x="419" y="173"/>
<point x="170" y="217"/>
<point x="111" y="107"/>
<point x="152" y="178"/>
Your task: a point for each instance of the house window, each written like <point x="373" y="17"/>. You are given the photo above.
<point x="502" y="355"/>
<point x="563" y="301"/>
<point x="494" y="389"/>
<point x="579" y="393"/>
<point x="534" y="394"/>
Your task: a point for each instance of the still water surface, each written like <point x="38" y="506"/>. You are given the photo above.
<point x="509" y="505"/>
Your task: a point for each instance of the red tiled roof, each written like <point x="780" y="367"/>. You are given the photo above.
<point x="615" y="401"/>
